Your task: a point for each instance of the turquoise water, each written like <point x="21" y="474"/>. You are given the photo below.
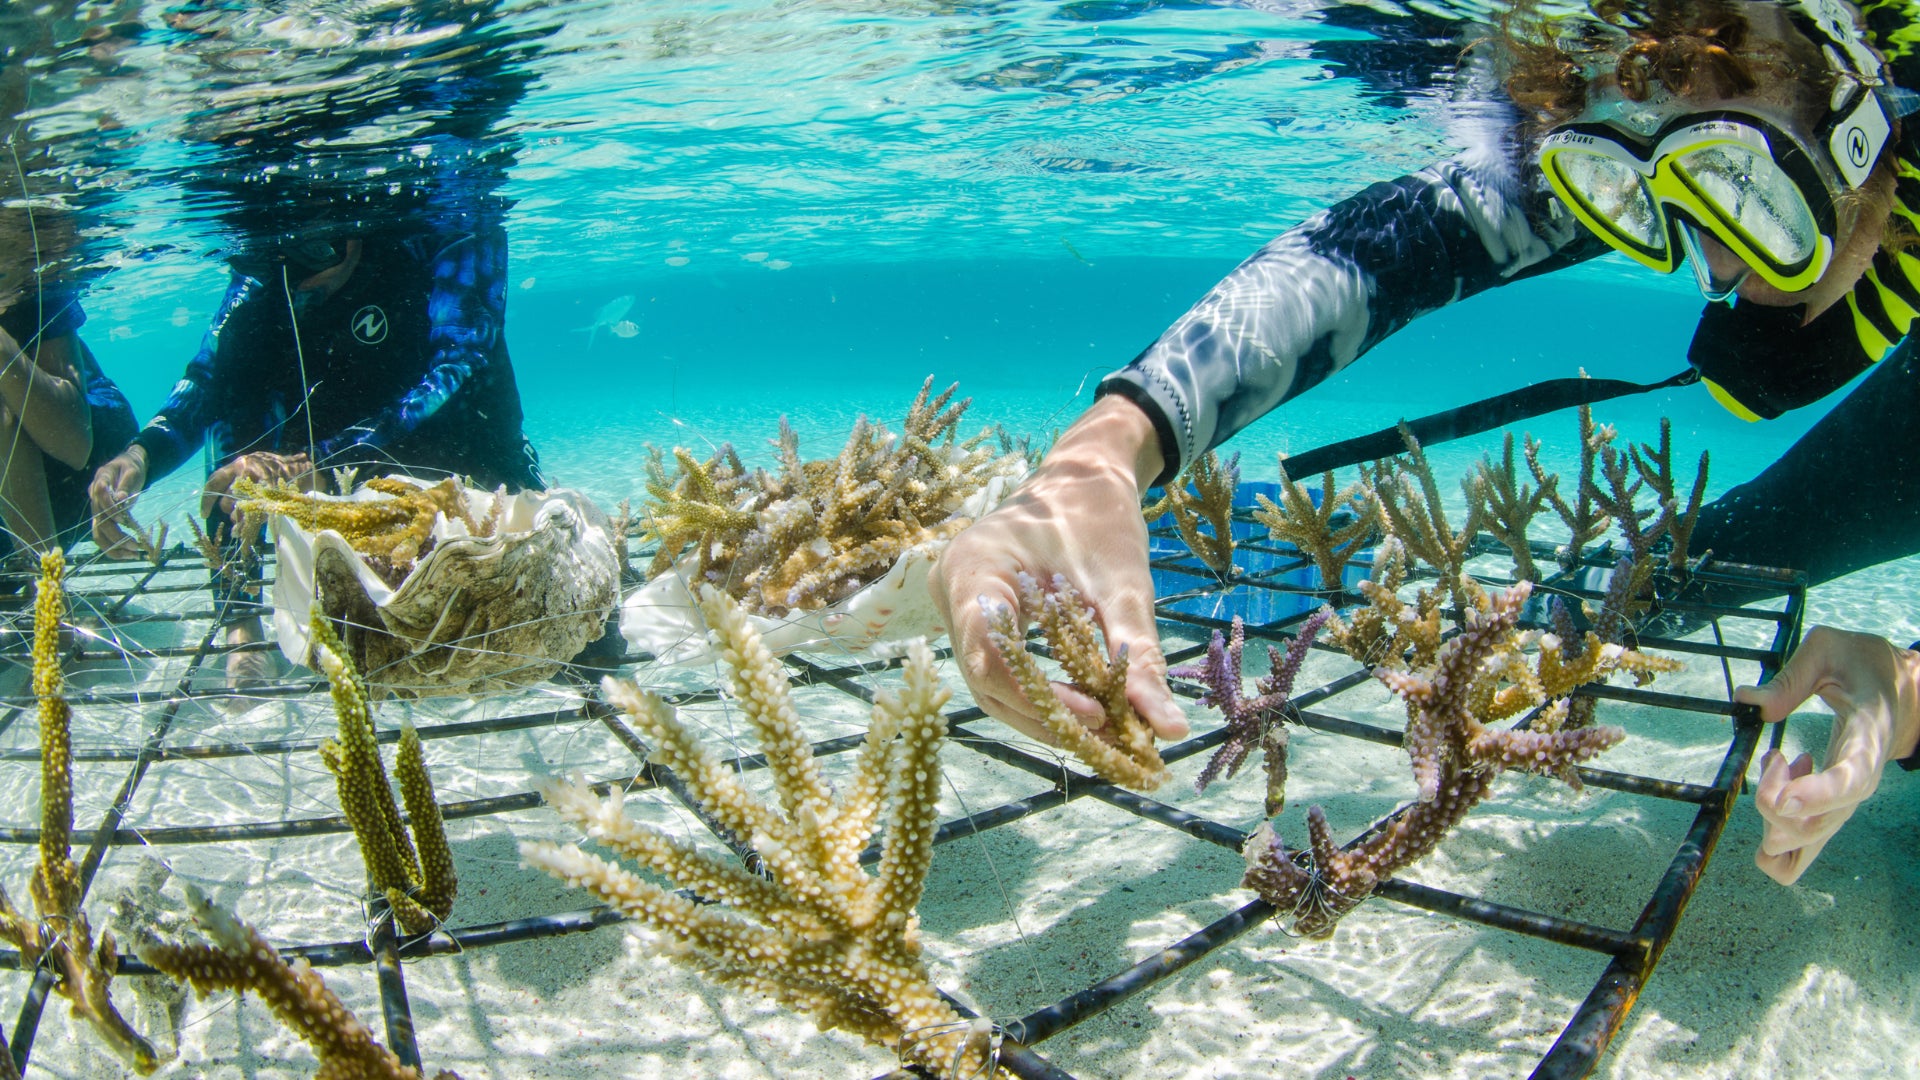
<point x="813" y="207"/>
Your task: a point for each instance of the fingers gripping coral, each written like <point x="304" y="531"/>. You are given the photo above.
<point x="1126" y="755"/>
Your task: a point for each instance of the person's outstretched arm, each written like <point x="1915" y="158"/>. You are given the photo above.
<point x="1308" y="303"/>
<point x="175" y="433"/>
<point x="1873" y="688"/>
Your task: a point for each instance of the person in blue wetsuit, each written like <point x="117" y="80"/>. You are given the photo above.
<point x="1797" y="215"/>
<point x="390" y="357"/>
<point x="60" y="419"/>
<point x="382" y="349"/>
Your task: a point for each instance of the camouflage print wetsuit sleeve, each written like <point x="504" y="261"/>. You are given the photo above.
<point x="466" y="317"/>
<point x="1317" y="297"/>
<point x="193" y="407"/>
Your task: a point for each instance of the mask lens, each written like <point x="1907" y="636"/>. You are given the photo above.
<point x="1751" y="194"/>
<point x="1615" y="193"/>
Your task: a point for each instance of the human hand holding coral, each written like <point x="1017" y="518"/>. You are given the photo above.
<point x="1873" y="688"/>
<point x="1078" y="515"/>
<point x="114" y="487"/>
<point x="262" y="468"/>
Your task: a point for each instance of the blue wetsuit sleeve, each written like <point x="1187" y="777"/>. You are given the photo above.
<point x="1318" y="296"/>
<point x="180" y="427"/>
<point x="466" y="316"/>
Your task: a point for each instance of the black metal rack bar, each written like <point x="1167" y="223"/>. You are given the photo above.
<point x="1633" y="952"/>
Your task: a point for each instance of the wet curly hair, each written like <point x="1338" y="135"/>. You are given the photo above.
<point x="1689" y="47"/>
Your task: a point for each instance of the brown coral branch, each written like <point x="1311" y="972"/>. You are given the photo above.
<point x="61" y="937"/>
<point x="239" y="959"/>
<point x="1122" y="751"/>
<point x="1204" y="496"/>
<point x="419" y="884"/>
<point x="1508" y="506"/>
<point x="1310" y="528"/>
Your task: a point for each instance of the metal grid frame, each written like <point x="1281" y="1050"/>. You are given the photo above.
<point x="1278" y="572"/>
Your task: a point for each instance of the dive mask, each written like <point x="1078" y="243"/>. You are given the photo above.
<point x="1754" y="184"/>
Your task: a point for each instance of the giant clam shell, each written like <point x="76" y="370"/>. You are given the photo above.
<point x="475" y="614"/>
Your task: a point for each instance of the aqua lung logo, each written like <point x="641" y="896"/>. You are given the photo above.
<point x="369" y="325"/>
<point x="1857" y="147"/>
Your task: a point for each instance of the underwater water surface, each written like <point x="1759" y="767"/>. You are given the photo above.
<point x="724" y="213"/>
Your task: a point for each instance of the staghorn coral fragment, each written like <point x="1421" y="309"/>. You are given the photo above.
<point x="1456" y="757"/>
<point x="1584" y="519"/>
<point x="817" y="933"/>
<point x="1310" y="528"/>
<point x="1411" y="509"/>
<point x="1259" y="720"/>
<point x="61" y="936"/>
<point x="1388" y="631"/>
<point x="1209" y="502"/>
<point x="1656" y="471"/>
<point x="418" y="883"/>
<point x="811" y="533"/>
<point x="1122" y="751"/>
<point x="1508" y="506"/>
<point x="237" y="958"/>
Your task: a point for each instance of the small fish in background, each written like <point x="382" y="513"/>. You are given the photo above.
<point x="527" y="284"/>
<point x="611" y="313"/>
<point x="1073" y="251"/>
<point x="625" y="328"/>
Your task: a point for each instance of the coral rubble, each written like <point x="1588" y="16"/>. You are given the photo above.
<point x="1310" y="528"/>
<point x="237" y="958"/>
<point x="1122" y="749"/>
<point x="1259" y="720"/>
<point x="418" y="882"/>
<point x="61" y="936"/>
<point x="817" y="933"/>
<point x="1204" y="496"/>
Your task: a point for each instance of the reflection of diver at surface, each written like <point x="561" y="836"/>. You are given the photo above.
<point x="364" y="324"/>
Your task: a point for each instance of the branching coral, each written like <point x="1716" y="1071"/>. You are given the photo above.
<point x="1387" y="630"/>
<point x="1656" y="471"/>
<point x="418" y="883"/>
<point x="811" y="533"/>
<point x="396" y="530"/>
<point x="1310" y="528"/>
<point x="1122" y="749"/>
<point x="818" y="933"/>
<point x="1584" y="519"/>
<point x="1455" y="758"/>
<point x="1210" y="501"/>
<point x="237" y="958"/>
<point x="1261" y="719"/>
<point x="61" y="936"/>
<point x="1410" y="505"/>
<point x="1508" y="506"/>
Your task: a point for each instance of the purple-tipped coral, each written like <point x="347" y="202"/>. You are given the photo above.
<point x="1256" y="721"/>
<point x="1455" y="758"/>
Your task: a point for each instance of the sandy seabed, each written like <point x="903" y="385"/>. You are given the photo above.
<point x="1821" y="979"/>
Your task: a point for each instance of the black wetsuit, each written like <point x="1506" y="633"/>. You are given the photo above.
<point x="55" y="313"/>
<point x="405" y="368"/>
<point x="1311" y="301"/>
